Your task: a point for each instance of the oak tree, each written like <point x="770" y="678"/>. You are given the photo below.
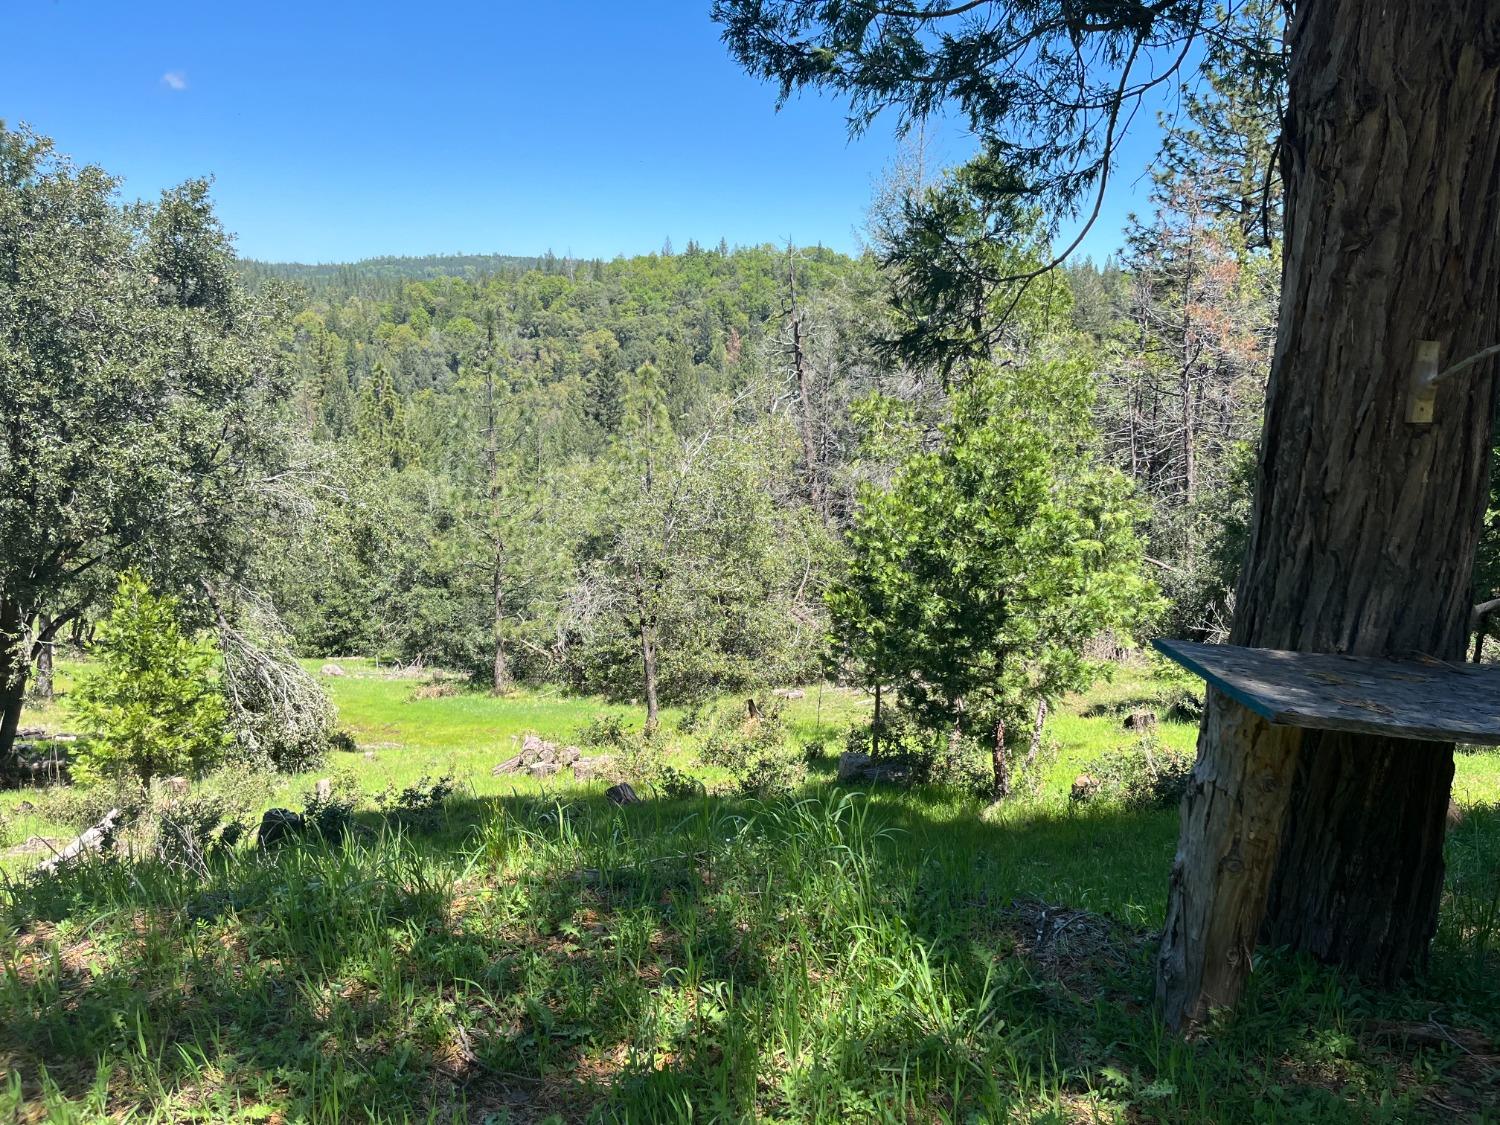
<point x="143" y="420"/>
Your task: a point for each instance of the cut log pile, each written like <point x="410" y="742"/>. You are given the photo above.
<point x="540" y="758"/>
<point x="39" y="758"/>
<point x="856" y="767"/>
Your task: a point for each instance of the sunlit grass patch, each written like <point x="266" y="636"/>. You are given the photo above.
<point x="833" y="954"/>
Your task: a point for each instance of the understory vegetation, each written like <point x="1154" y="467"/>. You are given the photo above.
<point x="514" y="948"/>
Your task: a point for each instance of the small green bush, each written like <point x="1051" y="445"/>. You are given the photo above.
<point x="190" y="829"/>
<point x="1179" y="694"/>
<point x="643" y="757"/>
<point x="1182" y="704"/>
<point x="771" y="775"/>
<point x="331" y="814"/>
<point x="244" y="788"/>
<point x="754" y="747"/>
<point x="1148" y="775"/>
<point x="641" y="753"/>
<point x="152" y="703"/>
<point x="80" y="806"/>
<point x="929" y="757"/>
<point x="419" y="803"/>
<point x="673" y="784"/>
<point x="603" y="731"/>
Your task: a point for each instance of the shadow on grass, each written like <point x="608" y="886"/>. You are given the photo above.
<point x="519" y="956"/>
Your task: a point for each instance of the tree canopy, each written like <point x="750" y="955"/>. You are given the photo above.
<point x="144" y="424"/>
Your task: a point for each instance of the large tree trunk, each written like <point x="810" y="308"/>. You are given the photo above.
<point x="1365" y="525"/>
<point x="1360" y="872"/>
<point x="501" y="681"/>
<point x="648" y="668"/>
<point x="14" y="664"/>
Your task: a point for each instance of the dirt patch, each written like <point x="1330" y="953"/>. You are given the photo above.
<point x="1076" y="947"/>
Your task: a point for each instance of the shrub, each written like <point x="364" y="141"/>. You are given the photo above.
<point x="80" y="806"/>
<point x="901" y="741"/>
<point x="419" y="803"/>
<point x="1180" y="693"/>
<point x="640" y="753"/>
<point x="330" y="810"/>
<point x="963" y="764"/>
<point x="932" y="757"/>
<point x="753" y="746"/>
<point x="244" y="789"/>
<point x="733" y="736"/>
<point x="1182" y="705"/>
<point x="190" y="829"/>
<point x="673" y="784"/>
<point x="179" y="828"/>
<point x="603" y="731"/>
<point x="1148" y="775"/>
<point x="769" y="775"/>
<point x="152" y="703"/>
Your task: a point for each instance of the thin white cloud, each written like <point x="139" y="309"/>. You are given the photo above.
<point x="174" y="80"/>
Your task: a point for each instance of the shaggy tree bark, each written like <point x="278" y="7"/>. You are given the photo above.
<point x="14" y="666"/>
<point x="501" y="680"/>
<point x="647" y="629"/>
<point x="1365" y="526"/>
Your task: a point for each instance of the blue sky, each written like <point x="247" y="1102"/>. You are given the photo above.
<point x="341" y="131"/>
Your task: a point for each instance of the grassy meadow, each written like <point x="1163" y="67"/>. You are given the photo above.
<point x="531" y="953"/>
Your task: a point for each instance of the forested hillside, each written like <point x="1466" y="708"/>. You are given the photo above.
<point x="382" y="277"/>
<point x="720" y="469"/>
<point x="479" y="429"/>
<point x="505" y="452"/>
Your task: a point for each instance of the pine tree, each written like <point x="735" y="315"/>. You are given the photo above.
<point x="1229" y="144"/>
<point x="152" y="703"/>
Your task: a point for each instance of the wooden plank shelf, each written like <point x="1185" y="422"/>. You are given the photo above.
<point x="1430" y="700"/>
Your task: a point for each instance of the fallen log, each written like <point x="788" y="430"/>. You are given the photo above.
<point x="90" y="840"/>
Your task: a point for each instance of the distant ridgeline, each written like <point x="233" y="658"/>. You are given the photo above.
<point x="383" y="276"/>
<point x="408" y="326"/>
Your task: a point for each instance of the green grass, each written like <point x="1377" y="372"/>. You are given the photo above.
<point x="533" y="953"/>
